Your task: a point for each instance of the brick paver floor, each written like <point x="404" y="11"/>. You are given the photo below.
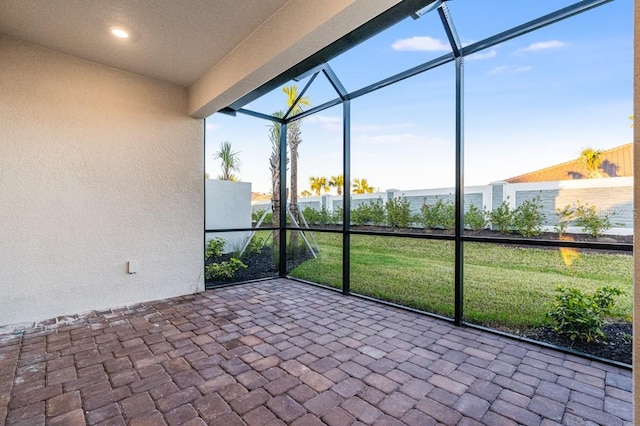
<point x="280" y="352"/>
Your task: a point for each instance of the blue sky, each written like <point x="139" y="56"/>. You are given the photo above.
<point x="531" y="102"/>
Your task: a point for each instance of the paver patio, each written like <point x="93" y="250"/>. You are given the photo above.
<point x="281" y="352"/>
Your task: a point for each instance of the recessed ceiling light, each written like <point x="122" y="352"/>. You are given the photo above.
<point x="119" y="32"/>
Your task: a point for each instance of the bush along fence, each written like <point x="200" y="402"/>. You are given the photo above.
<point x="592" y="206"/>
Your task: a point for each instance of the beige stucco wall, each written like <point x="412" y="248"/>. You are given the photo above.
<point x="97" y="168"/>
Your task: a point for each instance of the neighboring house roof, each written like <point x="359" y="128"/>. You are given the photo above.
<point x="256" y="196"/>
<point x="616" y="162"/>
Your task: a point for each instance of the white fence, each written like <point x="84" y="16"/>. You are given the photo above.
<point x="610" y="196"/>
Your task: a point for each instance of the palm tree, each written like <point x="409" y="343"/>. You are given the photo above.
<point x="294" y="137"/>
<point x="229" y="162"/>
<point x="337" y="182"/>
<point x="592" y="158"/>
<point x="318" y="184"/>
<point x="306" y="193"/>
<point x="361" y="186"/>
<point x="274" y="166"/>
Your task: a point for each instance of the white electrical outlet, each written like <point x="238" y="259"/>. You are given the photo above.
<point x="132" y="267"/>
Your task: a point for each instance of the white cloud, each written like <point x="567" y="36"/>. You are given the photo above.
<point x="543" y="45"/>
<point x="396" y="139"/>
<point x="323" y="119"/>
<point x="334" y="123"/>
<point x="331" y="123"/>
<point x="499" y="69"/>
<point x="365" y="128"/>
<point x="506" y="69"/>
<point x="391" y="139"/>
<point x="483" y="55"/>
<point x="420" y="43"/>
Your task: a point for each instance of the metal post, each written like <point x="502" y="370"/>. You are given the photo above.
<point x="456" y="47"/>
<point x="282" y="244"/>
<point x="459" y="248"/>
<point x="346" y="197"/>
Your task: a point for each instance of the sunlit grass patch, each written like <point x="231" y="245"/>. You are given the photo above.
<point x="504" y="286"/>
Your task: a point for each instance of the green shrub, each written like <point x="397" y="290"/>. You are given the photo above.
<point x="220" y="270"/>
<point x="583" y="216"/>
<point x="359" y="215"/>
<point x="337" y="216"/>
<point x="223" y="270"/>
<point x="580" y="315"/>
<point x="372" y="212"/>
<point x="440" y="215"/>
<point x="565" y="216"/>
<point x="587" y="219"/>
<point x="311" y="215"/>
<point x="255" y="246"/>
<point x="475" y="219"/>
<point x="268" y="219"/>
<point x="377" y="214"/>
<point x="528" y="217"/>
<point x="398" y="212"/>
<point x="214" y="248"/>
<point x="326" y="217"/>
<point x="317" y="217"/>
<point x="502" y="217"/>
<point x="424" y="218"/>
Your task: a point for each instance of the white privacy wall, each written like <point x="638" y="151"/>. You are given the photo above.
<point x="228" y="206"/>
<point x="97" y="168"/>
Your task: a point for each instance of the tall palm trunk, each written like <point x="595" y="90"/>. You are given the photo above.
<point x="274" y="167"/>
<point x="294" y="139"/>
<point x="294" y="136"/>
<point x="275" y="209"/>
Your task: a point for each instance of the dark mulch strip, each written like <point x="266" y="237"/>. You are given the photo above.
<point x="617" y="346"/>
<point x="260" y="265"/>
<point x="548" y="236"/>
<point x="553" y="236"/>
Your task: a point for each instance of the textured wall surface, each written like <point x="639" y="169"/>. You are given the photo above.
<point x="97" y="168"/>
<point x="610" y="197"/>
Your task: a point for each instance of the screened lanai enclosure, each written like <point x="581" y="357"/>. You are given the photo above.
<point x="466" y="159"/>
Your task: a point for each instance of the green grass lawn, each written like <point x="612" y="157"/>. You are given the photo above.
<point x="504" y="287"/>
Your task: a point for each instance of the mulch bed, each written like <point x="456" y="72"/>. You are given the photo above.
<point x="616" y="347"/>
<point x="261" y="265"/>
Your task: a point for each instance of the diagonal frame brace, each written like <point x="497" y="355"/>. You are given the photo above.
<point x="450" y="29"/>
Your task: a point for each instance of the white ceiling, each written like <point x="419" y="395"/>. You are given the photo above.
<point x="172" y="40"/>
